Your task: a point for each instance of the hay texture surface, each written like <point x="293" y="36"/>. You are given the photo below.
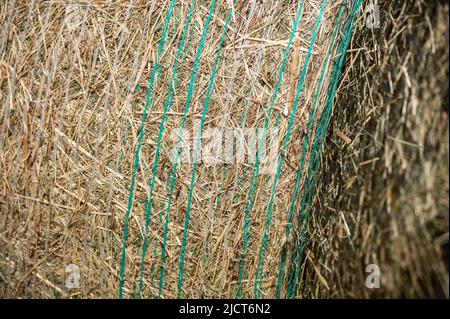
<point x="94" y="93"/>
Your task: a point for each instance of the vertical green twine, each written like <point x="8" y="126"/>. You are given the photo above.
<point x="194" y="167"/>
<point x="155" y="240"/>
<point x="183" y="122"/>
<point x="260" y="267"/>
<point x="166" y="220"/>
<point x="167" y="106"/>
<point x="316" y="150"/>
<point x="304" y="148"/>
<point x="155" y="250"/>
<point x="158" y="74"/>
<point x="138" y="150"/>
<point x="255" y="172"/>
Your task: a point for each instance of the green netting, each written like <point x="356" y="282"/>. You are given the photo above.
<point x="167" y="107"/>
<point x="259" y="268"/>
<point x="304" y="148"/>
<point x="202" y="121"/>
<point x="316" y="149"/>
<point x="308" y="185"/>
<point x="255" y="172"/>
<point x="148" y="103"/>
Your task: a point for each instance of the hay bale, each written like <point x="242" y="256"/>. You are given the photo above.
<point x="389" y="187"/>
<point x="87" y="173"/>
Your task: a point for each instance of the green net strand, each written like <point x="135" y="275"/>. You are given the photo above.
<point x="259" y="269"/>
<point x="171" y="178"/>
<point x="308" y="183"/>
<point x="190" y="93"/>
<point x="317" y="145"/>
<point x="167" y="106"/>
<point x="155" y="250"/>
<point x="304" y="149"/>
<point x="141" y="136"/>
<point x="307" y="186"/>
<point x="196" y="150"/>
<point x="166" y="219"/>
<point x="167" y="216"/>
<point x="255" y="172"/>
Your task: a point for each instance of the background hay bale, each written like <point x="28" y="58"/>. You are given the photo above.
<point x="383" y="198"/>
<point x="74" y="80"/>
